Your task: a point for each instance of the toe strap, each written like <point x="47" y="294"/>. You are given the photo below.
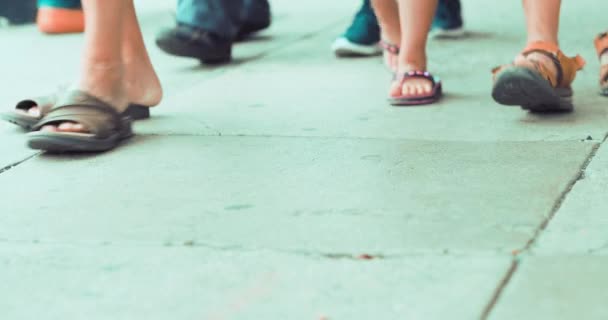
<point x="98" y="117"/>
<point x="418" y="74"/>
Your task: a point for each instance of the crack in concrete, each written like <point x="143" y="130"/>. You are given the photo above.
<point x="537" y="233"/>
<point x="502" y="285"/>
<point x="235" y="248"/>
<point x="15" y="164"/>
<point x="598" y="249"/>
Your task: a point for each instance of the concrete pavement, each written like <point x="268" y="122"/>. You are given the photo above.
<point x="284" y="187"/>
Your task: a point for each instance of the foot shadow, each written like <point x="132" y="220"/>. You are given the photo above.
<point x="255" y="38"/>
<point x="468" y="35"/>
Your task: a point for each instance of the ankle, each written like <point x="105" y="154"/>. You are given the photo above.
<point x="547" y="41"/>
<point x="412" y="60"/>
<point x="390" y="37"/>
<point x="406" y="65"/>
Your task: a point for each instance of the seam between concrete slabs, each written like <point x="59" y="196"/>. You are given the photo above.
<point x="544" y="224"/>
<point x="15" y="164"/>
<point x="218" y="134"/>
<point x="194" y="245"/>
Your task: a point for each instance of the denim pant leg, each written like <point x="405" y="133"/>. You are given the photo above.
<point x="222" y="17"/>
<point x="256" y="11"/>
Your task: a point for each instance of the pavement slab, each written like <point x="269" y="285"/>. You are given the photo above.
<point x="579" y="227"/>
<point x="564" y="275"/>
<point x="12" y="150"/>
<point x="197" y="283"/>
<point x="380" y="196"/>
<point x="560" y="287"/>
<point x="283" y="186"/>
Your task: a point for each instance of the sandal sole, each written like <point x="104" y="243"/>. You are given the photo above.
<point x="61" y="143"/>
<point x="412" y="102"/>
<point x="523" y="87"/>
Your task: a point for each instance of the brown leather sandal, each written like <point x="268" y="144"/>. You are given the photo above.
<point x="105" y="127"/>
<point x="536" y="88"/>
<point x="601" y="45"/>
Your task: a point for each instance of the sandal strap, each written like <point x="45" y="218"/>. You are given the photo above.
<point x="97" y="116"/>
<point x="601" y="43"/>
<point x="566" y="66"/>
<point x="389" y="47"/>
<point x="417" y="74"/>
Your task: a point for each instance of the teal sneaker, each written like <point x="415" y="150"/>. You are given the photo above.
<point x="66" y="4"/>
<point x="362" y="37"/>
<point x="448" y="20"/>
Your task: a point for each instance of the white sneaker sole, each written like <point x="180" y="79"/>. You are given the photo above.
<point x="448" y="33"/>
<point x="344" y="48"/>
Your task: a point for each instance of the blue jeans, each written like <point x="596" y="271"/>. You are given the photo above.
<point x="221" y="17"/>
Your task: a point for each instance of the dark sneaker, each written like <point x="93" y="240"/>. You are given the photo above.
<point x="257" y="18"/>
<point x="448" y="20"/>
<point x="187" y="41"/>
<point x="362" y="37"/>
<point x="17" y="12"/>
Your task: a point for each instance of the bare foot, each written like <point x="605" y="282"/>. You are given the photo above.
<point x="530" y="61"/>
<point x="104" y="80"/>
<point x="140" y="82"/>
<point x="412" y="87"/>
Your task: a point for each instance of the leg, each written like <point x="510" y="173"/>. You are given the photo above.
<point x="103" y="70"/>
<point x="542" y="20"/>
<point x="540" y="78"/>
<point x="220" y="17"/>
<point x="542" y="25"/>
<point x="415" y="17"/>
<point x="387" y="12"/>
<point x="142" y="83"/>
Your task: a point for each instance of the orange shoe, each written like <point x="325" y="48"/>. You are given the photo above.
<point x="59" y="20"/>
